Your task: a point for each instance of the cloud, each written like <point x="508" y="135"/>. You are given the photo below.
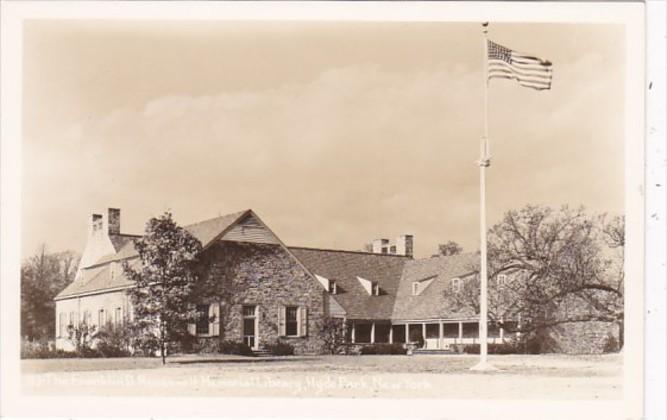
<point x="355" y="153"/>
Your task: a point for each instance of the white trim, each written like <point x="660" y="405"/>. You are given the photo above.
<point x="366" y="284"/>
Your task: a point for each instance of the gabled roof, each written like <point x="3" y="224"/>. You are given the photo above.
<point x="433" y="301"/>
<point x="120" y="240"/>
<point x="97" y="277"/>
<point x="344" y="267"/>
<point x="206" y="231"/>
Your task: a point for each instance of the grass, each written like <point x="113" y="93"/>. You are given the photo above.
<point x="443" y="376"/>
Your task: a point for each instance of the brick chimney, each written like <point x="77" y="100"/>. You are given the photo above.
<point x="404" y="245"/>
<point x="113" y="221"/>
<point x="380" y="246"/>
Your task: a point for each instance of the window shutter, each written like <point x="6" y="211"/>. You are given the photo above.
<point x="303" y="321"/>
<point x="214" y="312"/>
<point x="281" y="321"/>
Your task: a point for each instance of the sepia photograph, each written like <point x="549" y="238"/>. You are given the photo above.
<point x="417" y="209"/>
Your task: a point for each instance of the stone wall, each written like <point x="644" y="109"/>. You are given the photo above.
<point x="264" y="275"/>
<point x="590" y="337"/>
<point x="587" y="337"/>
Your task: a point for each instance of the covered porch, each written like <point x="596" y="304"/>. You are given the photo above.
<point x="438" y="334"/>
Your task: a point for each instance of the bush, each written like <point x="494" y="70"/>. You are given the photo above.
<point x="384" y="348"/>
<point x="113" y="341"/>
<point x="280" y="348"/>
<point x="43" y="350"/>
<point x="500" y="348"/>
<point x="611" y="345"/>
<point x="333" y="333"/>
<point x="235" y="347"/>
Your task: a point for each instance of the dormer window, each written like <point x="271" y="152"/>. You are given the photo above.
<point x="332" y="287"/>
<point x="456" y="285"/>
<point x="415" y="288"/>
<point x="376" y="289"/>
<point x="501" y="280"/>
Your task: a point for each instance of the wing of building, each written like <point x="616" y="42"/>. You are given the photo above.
<point x="268" y="291"/>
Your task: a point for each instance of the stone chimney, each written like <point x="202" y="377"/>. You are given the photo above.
<point x="113" y="221"/>
<point x="404" y="245"/>
<point x="380" y="246"/>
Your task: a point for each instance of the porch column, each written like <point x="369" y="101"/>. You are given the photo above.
<point x="461" y="332"/>
<point x="424" y="333"/>
<point x="501" y="331"/>
<point x="440" y="334"/>
<point x="391" y="333"/>
<point x="372" y="332"/>
<point x="407" y="332"/>
<point x="352" y="334"/>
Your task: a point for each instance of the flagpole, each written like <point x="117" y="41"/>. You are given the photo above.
<point x="484" y="162"/>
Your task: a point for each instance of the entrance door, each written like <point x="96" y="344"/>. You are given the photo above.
<point x="250" y="326"/>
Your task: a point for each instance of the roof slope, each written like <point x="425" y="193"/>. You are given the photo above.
<point x="99" y="276"/>
<point x="344" y="266"/>
<point x="432" y="302"/>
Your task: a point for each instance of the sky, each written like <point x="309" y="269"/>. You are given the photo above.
<point x="334" y="133"/>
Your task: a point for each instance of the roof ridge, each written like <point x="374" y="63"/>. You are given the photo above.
<point x="237" y="213"/>
<point x="347" y="251"/>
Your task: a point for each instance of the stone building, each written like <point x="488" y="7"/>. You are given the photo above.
<point x="267" y="291"/>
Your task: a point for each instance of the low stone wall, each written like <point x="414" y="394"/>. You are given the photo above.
<point x="591" y="337"/>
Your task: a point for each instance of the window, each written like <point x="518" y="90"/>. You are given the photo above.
<point x="332" y="287"/>
<point x="456" y="285"/>
<point x="86" y="317"/>
<point x="392" y="249"/>
<point x="415" y="288"/>
<point x="501" y="280"/>
<point x="73" y="319"/>
<point x="62" y="325"/>
<point x="375" y="289"/>
<point x="118" y="316"/>
<point x="202" y="319"/>
<point x="100" y="318"/>
<point x="249" y="321"/>
<point x="384" y="250"/>
<point x="292" y="320"/>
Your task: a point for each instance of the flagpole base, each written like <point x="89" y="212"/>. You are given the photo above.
<point x="484" y="366"/>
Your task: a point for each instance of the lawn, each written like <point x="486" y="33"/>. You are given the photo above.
<point x="428" y="376"/>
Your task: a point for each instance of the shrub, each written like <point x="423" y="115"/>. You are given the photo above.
<point x="611" y="345"/>
<point x="114" y="340"/>
<point x="280" y="348"/>
<point x="500" y="348"/>
<point x="42" y="350"/>
<point x="235" y="347"/>
<point x="384" y="348"/>
<point x="333" y="335"/>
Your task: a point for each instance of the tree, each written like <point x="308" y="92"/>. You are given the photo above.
<point x="164" y="299"/>
<point x="332" y="333"/>
<point x="43" y="276"/>
<point x="449" y="248"/>
<point x="552" y="258"/>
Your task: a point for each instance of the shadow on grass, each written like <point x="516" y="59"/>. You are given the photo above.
<point x="249" y="359"/>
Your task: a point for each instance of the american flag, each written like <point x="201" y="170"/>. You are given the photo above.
<point x="529" y="71"/>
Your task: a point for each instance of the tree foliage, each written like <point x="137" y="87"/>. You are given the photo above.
<point x="552" y="259"/>
<point x="449" y="248"/>
<point x="43" y="276"/>
<point x="163" y="299"/>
